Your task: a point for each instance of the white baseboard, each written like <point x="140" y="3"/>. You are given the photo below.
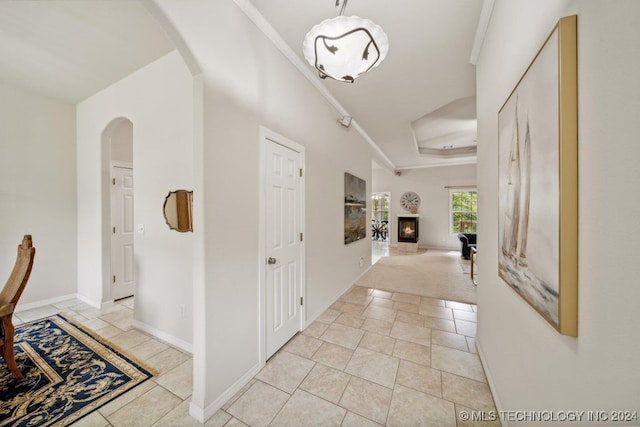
<point x="106" y="304"/>
<point x="337" y="296"/>
<point x="86" y="300"/>
<point x="203" y="414"/>
<point x="492" y="387"/>
<point x="42" y="303"/>
<point x="177" y="342"/>
<point x="355" y="281"/>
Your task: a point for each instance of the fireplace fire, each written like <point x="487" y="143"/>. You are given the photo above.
<point x="408" y="229"/>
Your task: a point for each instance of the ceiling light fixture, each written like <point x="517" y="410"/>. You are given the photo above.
<point x="345" y="47"/>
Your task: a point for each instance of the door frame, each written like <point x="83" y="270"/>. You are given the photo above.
<point x="112" y="165"/>
<point x="104" y="295"/>
<point x="266" y="136"/>
<point x="389" y="224"/>
<point x="107" y="296"/>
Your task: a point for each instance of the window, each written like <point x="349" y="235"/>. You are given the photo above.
<point x="380" y="207"/>
<point x="463" y="211"/>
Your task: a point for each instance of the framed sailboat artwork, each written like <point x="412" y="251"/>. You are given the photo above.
<point x="538" y="182"/>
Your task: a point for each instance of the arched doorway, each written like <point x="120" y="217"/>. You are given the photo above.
<point x="117" y="201"/>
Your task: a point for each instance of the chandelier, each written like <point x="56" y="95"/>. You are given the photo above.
<point x="345" y="47"/>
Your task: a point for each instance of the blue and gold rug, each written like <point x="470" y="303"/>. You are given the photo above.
<point x="68" y="374"/>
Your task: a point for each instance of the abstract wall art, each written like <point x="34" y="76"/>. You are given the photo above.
<point x="355" y="208"/>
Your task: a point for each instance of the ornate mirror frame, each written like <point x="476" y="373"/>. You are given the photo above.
<point x="177" y="210"/>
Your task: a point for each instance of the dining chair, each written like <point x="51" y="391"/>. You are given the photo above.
<point x="9" y="297"/>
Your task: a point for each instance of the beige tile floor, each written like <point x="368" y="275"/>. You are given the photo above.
<point x="373" y="358"/>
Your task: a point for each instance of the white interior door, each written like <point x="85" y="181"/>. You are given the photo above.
<point x="122" y="266"/>
<point x="283" y="245"/>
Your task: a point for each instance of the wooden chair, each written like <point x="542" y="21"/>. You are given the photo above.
<point x="9" y="298"/>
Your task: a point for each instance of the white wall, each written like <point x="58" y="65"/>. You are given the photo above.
<point x="122" y="142"/>
<point x="248" y="83"/>
<point x="429" y="184"/>
<point x="37" y="189"/>
<point x="158" y="100"/>
<point x="530" y="365"/>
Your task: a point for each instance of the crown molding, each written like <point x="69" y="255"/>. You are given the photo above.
<point x="481" y="30"/>
<point x="438" y="165"/>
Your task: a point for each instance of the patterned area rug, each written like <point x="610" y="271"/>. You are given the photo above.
<point x="68" y="374"/>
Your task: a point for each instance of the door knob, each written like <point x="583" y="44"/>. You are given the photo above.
<point x="271" y="260"/>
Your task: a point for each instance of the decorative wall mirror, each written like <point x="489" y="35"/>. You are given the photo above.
<point x="177" y="210"/>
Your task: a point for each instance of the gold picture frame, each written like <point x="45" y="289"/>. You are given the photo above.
<point x="538" y="182"/>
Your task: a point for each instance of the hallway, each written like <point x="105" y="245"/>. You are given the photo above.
<point x="372" y="358"/>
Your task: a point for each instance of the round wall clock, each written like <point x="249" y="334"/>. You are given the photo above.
<point x="410" y="201"/>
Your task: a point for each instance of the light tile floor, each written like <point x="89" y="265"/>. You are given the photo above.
<point x="373" y="358"/>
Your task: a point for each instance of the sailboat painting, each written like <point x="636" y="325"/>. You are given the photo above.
<point x="531" y="184"/>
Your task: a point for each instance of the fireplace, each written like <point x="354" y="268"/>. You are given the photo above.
<point x="408" y="229"/>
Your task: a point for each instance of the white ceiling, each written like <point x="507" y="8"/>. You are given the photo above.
<point x="420" y="99"/>
<point x="427" y="68"/>
<point x="70" y="49"/>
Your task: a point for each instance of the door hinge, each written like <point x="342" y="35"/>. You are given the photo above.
<point x="113" y="181"/>
<point x="301" y="237"/>
<point x="301" y="301"/>
<point x="114" y="279"/>
<point x="114" y="230"/>
<point x="300" y="172"/>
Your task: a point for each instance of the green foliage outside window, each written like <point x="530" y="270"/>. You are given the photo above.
<point x="380" y="206"/>
<point x="464" y="211"/>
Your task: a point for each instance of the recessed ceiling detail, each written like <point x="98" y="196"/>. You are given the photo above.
<point x="426" y="68"/>
<point x="449" y="153"/>
<point x="449" y="131"/>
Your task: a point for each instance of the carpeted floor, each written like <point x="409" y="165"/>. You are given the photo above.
<point x="465" y="264"/>
<point x="432" y="273"/>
